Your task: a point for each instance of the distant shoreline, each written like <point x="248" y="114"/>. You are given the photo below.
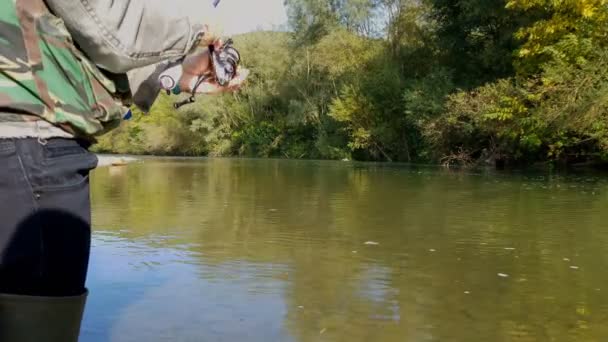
<point x="109" y="160"/>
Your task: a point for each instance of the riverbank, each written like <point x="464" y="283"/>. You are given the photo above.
<point x="106" y="160"/>
<point x="109" y="160"/>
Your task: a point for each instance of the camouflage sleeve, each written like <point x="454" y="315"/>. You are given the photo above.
<point x="123" y="35"/>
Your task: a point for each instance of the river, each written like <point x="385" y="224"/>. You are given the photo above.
<point x="270" y="250"/>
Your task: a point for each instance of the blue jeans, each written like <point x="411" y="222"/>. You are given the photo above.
<point x="45" y="216"/>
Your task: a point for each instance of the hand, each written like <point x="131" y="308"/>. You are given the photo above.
<point x="211" y="87"/>
<point x="194" y="66"/>
<point x="198" y="64"/>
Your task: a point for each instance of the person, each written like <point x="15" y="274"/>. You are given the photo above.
<point x="69" y="71"/>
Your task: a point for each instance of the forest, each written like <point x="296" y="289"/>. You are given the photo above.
<point x="451" y="82"/>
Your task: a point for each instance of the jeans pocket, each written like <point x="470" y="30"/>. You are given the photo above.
<point x="65" y="164"/>
<point x="6" y="146"/>
<point x="10" y="169"/>
<point x="55" y="150"/>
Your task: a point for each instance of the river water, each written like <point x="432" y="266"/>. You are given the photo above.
<point x="268" y="250"/>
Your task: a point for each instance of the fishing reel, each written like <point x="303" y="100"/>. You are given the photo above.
<point x="224" y="64"/>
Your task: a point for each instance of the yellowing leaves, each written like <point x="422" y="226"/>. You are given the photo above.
<point x="588" y="12"/>
<point x="342" y="51"/>
<point x="588" y="8"/>
<point x="570" y="24"/>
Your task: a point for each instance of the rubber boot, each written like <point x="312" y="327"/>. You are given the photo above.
<point x="40" y="319"/>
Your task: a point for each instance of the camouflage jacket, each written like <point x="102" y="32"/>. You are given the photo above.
<point x="45" y="77"/>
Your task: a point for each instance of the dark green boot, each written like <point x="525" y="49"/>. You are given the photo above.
<point x="40" y="319"/>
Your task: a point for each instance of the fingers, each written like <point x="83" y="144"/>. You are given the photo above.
<point x="240" y="78"/>
<point x="211" y="87"/>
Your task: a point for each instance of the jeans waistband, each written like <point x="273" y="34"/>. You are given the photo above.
<point x="32" y="129"/>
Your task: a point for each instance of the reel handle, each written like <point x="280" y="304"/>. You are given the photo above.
<point x="178" y="105"/>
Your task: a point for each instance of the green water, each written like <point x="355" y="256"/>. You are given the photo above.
<point x="266" y="250"/>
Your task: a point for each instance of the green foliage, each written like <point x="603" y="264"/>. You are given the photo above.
<point x="560" y="115"/>
<point x="354" y="109"/>
<point x="451" y="81"/>
<point x="568" y="31"/>
<point x="476" y="38"/>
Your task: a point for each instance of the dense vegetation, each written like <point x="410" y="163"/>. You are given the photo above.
<point x="451" y="81"/>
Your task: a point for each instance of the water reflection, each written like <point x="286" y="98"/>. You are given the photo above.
<point x="144" y="293"/>
<point x="265" y="250"/>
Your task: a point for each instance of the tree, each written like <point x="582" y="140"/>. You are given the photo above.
<point x="569" y="31"/>
<point x="476" y="38"/>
